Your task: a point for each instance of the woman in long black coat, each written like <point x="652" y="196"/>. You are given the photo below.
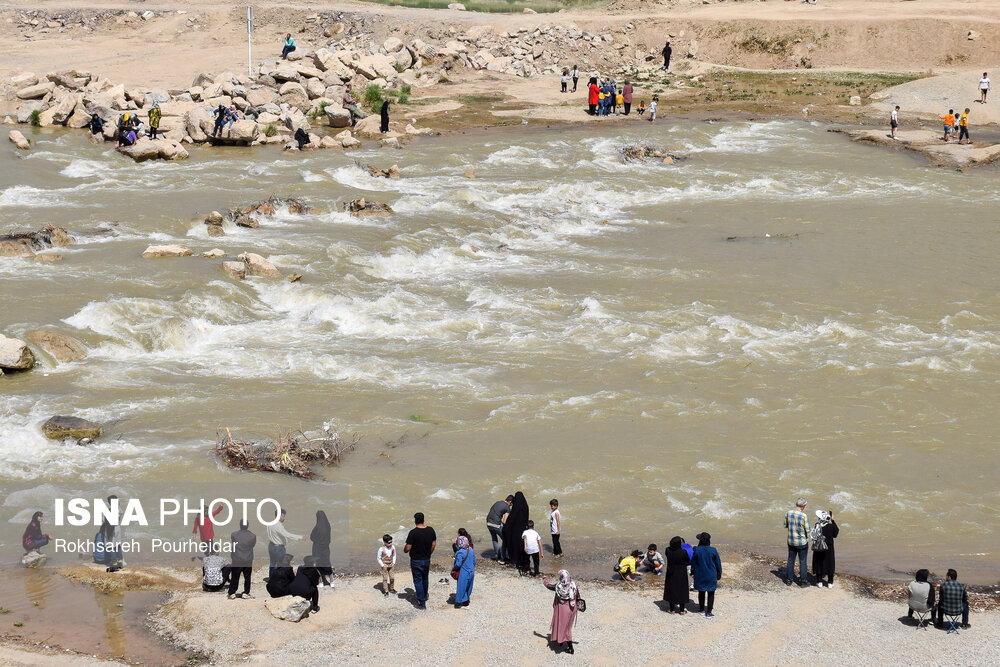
<point x="304" y="585"/>
<point x="320" y="537"/>
<point x="675" y="585"/>
<point x="384" y="113"/>
<point x="516" y="524"/>
<point x="825" y="562"/>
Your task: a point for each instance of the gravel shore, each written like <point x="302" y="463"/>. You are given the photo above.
<point x="758" y="621"/>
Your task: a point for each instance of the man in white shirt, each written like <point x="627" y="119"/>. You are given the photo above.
<point x="277" y="537"/>
<point x="532" y="545"/>
<point x="984" y="87"/>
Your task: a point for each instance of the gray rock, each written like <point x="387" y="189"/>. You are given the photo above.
<point x="62" y="428"/>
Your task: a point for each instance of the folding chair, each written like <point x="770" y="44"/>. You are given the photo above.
<point x="953" y="620"/>
<point x="923" y="617"/>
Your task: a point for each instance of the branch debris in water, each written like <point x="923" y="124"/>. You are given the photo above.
<point x="289" y="454"/>
<point x="635" y="152"/>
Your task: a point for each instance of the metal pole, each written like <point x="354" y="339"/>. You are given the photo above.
<point x="250" y="42"/>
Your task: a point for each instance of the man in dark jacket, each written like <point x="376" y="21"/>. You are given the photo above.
<point x="243" y="543"/>
<point x="666" y="53"/>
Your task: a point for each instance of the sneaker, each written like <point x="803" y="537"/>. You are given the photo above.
<point x="829" y="585"/>
<point x="788" y="582"/>
<point x="709" y="614"/>
<point x="232" y="597"/>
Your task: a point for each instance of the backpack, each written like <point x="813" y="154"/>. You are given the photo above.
<point x="818" y="538"/>
<point x="618" y="564"/>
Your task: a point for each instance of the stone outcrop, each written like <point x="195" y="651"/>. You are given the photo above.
<point x="155" y="251"/>
<point x="257" y="265"/>
<point x="60" y="347"/>
<point x="236" y="270"/>
<point x="75" y="428"/>
<point x="15" y="355"/>
<point x="154" y="149"/>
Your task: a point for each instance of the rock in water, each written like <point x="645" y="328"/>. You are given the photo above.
<point x="166" y="251"/>
<point x="259" y="266"/>
<point x="61" y="428"/>
<point x="60" y="347"/>
<point x="236" y="270"/>
<point x="18" y="140"/>
<point x="33" y="559"/>
<point x="15" y="355"/>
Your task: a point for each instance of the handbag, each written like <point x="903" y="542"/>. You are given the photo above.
<point x="581" y="604"/>
<point x="455" y="571"/>
<point x="454" y="575"/>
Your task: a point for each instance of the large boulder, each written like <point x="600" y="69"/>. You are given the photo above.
<point x="59" y="346"/>
<point x="338" y="116"/>
<point x="63" y="108"/>
<point x="18" y="140"/>
<point x="63" y="428"/>
<point x="36" y="91"/>
<point x="199" y="123"/>
<point x="23" y="80"/>
<point x="15" y="355"/>
<point x="257" y="97"/>
<point x="392" y="45"/>
<point x="25" y="110"/>
<point x="315" y="89"/>
<point x="375" y="66"/>
<point x="140" y="151"/>
<point x="369" y="128"/>
<point x="155" y="251"/>
<point x="307" y="71"/>
<point x="285" y="73"/>
<point x="65" y="80"/>
<point x="170" y="149"/>
<point x="259" y="266"/>
<point x="242" y="132"/>
<point x="236" y="270"/>
<point x="16" y="249"/>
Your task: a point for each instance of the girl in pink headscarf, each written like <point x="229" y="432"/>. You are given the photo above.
<point x="564" y="608"/>
<point x="465" y="565"/>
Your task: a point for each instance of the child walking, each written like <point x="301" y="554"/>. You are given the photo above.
<point x="565" y="81"/>
<point x="555" y="527"/>
<point x="386" y="558"/>
<point x="652" y="108"/>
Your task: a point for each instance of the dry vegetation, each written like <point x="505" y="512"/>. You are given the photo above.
<point x="291" y="454"/>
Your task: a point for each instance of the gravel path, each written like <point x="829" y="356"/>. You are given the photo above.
<point x="758" y="621"/>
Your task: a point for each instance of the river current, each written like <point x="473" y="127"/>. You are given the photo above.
<point x="665" y="348"/>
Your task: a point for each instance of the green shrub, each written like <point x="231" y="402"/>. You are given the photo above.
<point x="270" y="130"/>
<point x="373" y="97"/>
<point x="35" y="118"/>
<point x="399" y="67"/>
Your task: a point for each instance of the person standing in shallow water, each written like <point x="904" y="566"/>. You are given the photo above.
<point x="706" y="566"/>
<point x="384" y="127"/>
<point x="564" y="608"/>
<point x="824" y="560"/>
<point x="675" y="585"/>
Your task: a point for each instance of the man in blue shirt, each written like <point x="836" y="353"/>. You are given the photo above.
<point x="797" y="524"/>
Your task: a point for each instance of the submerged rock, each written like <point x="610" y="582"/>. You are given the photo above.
<point x="155" y="251"/>
<point x="362" y="208"/>
<point x="59" y="346"/>
<point x="62" y="427"/>
<point x="15" y="355"/>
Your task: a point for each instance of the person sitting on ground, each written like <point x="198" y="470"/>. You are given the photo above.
<point x="96" y="127"/>
<point x="220" y="113"/>
<point x="288" y="47"/>
<point x="214" y="573"/>
<point x="954" y="600"/>
<point x="629" y="565"/>
<point x="653" y="560"/>
<point x="33" y="538"/>
<point x="347" y="101"/>
<point x="642" y="107"/>
<point x="135" y="123"/>
<point x="920" y="593"/>
<point x="281" y="579"/>
<point x="301" y="137"/>
<point x="129" y="139"/>
<point x="305" y="583"/>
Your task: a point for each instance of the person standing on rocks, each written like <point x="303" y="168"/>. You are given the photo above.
<point x="420" y="544"/>
<point x="384" y="113"/>
<point x="494" y="524"/>
<point x="220" y="114"/>
<point x="894" y="122"/>
<point x="555" y="527"/>
<point x="675" y="583"/>
<point x="666" y="53"/>
<point x="627" y="96"/>
<point x="564" y="608"/>
<point x="575" y="74"/>
<point x="155" y="113"/>
<point x="797" y="524"/>
<point x="242" y="560"/>
<point x="277" y="539"/>
<point x="289" y="46"/>
<point x="984" y="88"/>
<point x="33" y="539"/>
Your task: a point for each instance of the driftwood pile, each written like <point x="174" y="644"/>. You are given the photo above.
<point x="362" y="208"/>
<point x="638" y="152"/>
<point x="243" y="215"/>
<point x="291" y="454"/>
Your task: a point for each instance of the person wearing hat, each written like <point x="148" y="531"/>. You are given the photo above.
<point x="797" y="525"/>
<point x="824" y="560"/>
<point x="707" y="570"/>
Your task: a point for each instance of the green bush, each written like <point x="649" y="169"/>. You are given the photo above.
<point x="270" y="130"/>
<point x="373" y="97"/>
<point x="35" y="118"/>
<point x="399" y="67"/>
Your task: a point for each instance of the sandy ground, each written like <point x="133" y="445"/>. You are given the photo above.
<point x="17" y="657"/>
<point x="932" y="145"/>
<point x="758" y="621"/>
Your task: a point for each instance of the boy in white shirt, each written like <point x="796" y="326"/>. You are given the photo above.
<point x="555" y="527"/>
<point x="984" y="87"/>
<point x="386" y="558"/>
<point x="532" y="545"/>
<point x="652" y="108"/>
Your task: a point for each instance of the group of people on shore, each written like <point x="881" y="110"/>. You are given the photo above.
<point x="705" y="567"/>
<point x="605" y="98"/>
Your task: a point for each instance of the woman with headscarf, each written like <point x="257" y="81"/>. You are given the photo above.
<point x="384" y="127"/>
<point x="513" y="528"/>
<point x="33" y="538"/>
<point x="465" y="563"/>
<point x="280" y="580"/>
<point x="462" y="532"/>
<point x="304" y="585"/>
<point x="824" y="560"/>
<point x="675" y="586"/>
<point x="707" y="570"/>
<point x="320" y="537"/>
<point x="564" y="608"/>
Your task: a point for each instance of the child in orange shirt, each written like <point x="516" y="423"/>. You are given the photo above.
<point x="949" y="124"/>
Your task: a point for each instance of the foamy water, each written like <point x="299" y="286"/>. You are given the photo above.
<point x="667" y="348"/>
